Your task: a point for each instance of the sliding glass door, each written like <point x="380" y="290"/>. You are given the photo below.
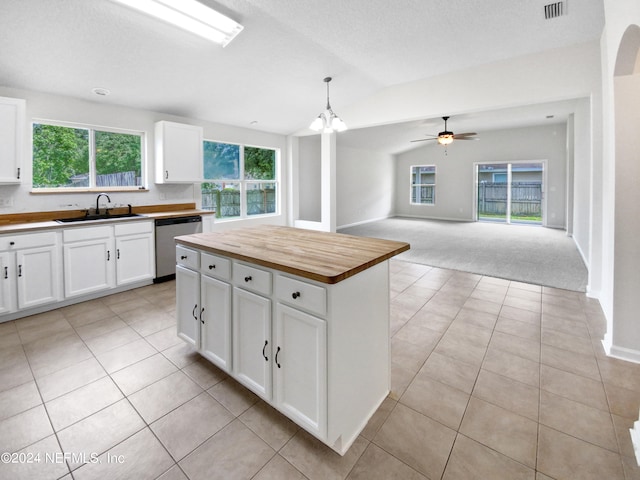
<point x="510" y="192"/>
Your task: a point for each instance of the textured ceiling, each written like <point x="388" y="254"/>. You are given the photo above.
<point x="272" y="72"/>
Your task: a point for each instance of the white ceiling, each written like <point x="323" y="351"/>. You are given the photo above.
<point x="272" y="72"/>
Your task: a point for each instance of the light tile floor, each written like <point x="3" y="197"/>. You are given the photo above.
<point x="491" y="379"/>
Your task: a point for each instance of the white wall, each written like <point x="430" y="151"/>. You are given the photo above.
<point x="617" y="305"/>
<point x="43" y="106"/>
<point x="455" y="189"/>
<point x="365" y="185"/>
<point x="309" y="178"/>
<point x="582" y="183"/>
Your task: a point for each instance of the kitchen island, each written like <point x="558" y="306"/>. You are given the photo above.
<point x="299" y="317"/>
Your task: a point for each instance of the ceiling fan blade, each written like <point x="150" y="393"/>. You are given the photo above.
<point x="466" y="138"/>
<point x="468" y="134"/>
<point x="424" y="139"/>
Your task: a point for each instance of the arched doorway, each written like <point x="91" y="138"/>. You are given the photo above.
<point x="626" y="301"/>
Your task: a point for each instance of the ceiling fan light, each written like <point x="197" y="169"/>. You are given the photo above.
<point x="446" y="139"/>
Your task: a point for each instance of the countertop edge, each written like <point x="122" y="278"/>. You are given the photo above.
<point x="52" y="224"/>
<point x="327" y="279"/>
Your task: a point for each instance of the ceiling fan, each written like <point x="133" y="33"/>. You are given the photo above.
<point x="446" y="137"/>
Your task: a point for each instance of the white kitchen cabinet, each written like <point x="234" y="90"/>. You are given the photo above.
<point x="215" y="321"/>
<point x="7" y="302"/>
<point x="203" y="304"/>
<point x="31" y="267"/>
<point x="188" y="305"/>
<point x="252" y="350"/>
<point x="99" y="258"/>
<point x="89" y="260"/>
<point x="135" y="252"/>
<point x="178" y="152"/>
<point x="310" y="322"/>
<point x="12" y="131"/>
<point x="300" y="368"/>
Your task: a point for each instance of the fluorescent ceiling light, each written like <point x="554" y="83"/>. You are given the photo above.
<point x="190" y="15"/>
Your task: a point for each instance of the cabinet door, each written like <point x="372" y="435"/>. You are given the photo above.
<point x="7" y="284"/>
<point x="215" y="321"/>
<point x="12" y="126"/>
<point x="38" y="273"/>
<point x="178" y="153"/>
<point x="88" y="266"/>
<point x="135" y="258"/>
<point x="252" y="341"/>
<point x="187" y="305"/>
<point x="300" y="369"/>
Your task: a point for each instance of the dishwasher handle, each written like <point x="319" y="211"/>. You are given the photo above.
<point x="173" y="221"/>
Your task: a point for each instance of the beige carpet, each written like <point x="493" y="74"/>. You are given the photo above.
<point x="525" y="253"/>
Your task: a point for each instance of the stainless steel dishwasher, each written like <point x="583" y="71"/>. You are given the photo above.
<point x="166" y="230"/>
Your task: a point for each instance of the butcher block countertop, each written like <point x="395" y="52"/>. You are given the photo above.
<point x="321" y="256"/>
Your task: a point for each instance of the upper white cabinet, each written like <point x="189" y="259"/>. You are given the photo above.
<point x="178" y="150"/>
<point x="12" y="126"/>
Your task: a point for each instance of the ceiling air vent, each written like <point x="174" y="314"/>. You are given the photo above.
<point x="554" y="10"/>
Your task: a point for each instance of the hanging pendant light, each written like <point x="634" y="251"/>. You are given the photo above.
<point x="327" y="121"/>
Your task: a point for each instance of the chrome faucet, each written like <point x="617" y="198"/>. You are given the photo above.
<point x="98" y="203"/>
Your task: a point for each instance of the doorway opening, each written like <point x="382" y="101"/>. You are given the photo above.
<point x="510" y="192"/>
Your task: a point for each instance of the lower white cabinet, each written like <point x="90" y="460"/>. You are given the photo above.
<point x="89" y="260"/>
<point x="135" y="252"/>
<point x="102" y="257"/>
<point x="203" y="305"/>
<point x="300" y="368"/>
<point x="215" y="321"/>
<point x="30" y="270"/>
<point x="188" y="305"/>
<point x="252" y="346"/>
<point x="319" y="353"/>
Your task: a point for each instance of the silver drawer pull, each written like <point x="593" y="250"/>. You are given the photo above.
<point x="295" y="295"/>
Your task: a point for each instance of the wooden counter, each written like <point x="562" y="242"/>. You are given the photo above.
<point x="321" y="256"/>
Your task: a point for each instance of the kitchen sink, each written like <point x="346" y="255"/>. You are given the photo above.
<point x="103" y="216"/>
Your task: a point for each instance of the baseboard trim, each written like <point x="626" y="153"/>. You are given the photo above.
<point x="364" y="222"/>
<point x="635" y="440"/>
<point x="622" y="353"/>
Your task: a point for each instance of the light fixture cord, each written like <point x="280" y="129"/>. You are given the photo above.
<point x="328" y="105"/>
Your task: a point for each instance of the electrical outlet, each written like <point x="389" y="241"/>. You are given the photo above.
<point x="6" y="202"/>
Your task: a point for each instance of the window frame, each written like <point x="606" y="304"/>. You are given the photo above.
<point x="92" y="157"/>
<point x="412" y="185"/>
<point x="242" y="181"/>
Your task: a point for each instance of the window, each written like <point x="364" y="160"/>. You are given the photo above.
<point x="84" y="158"/>
<point x="423" y="184"/>
<point x="243" y="180"/>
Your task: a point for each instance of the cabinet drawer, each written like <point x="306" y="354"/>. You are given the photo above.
<point x="28" y="240"/>
<point x="82" y="234"/>
<point x="252" y="278"/>
<point x="301" y="294"/>
<point x="187" y="257"/>
<point x="215" y="266"/>
<point x="134" y="228"/>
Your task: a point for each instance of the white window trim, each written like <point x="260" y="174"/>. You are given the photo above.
<point x="411" y="185"/>
<point x="92" y="167"/>
<point x="242" y="182"/>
